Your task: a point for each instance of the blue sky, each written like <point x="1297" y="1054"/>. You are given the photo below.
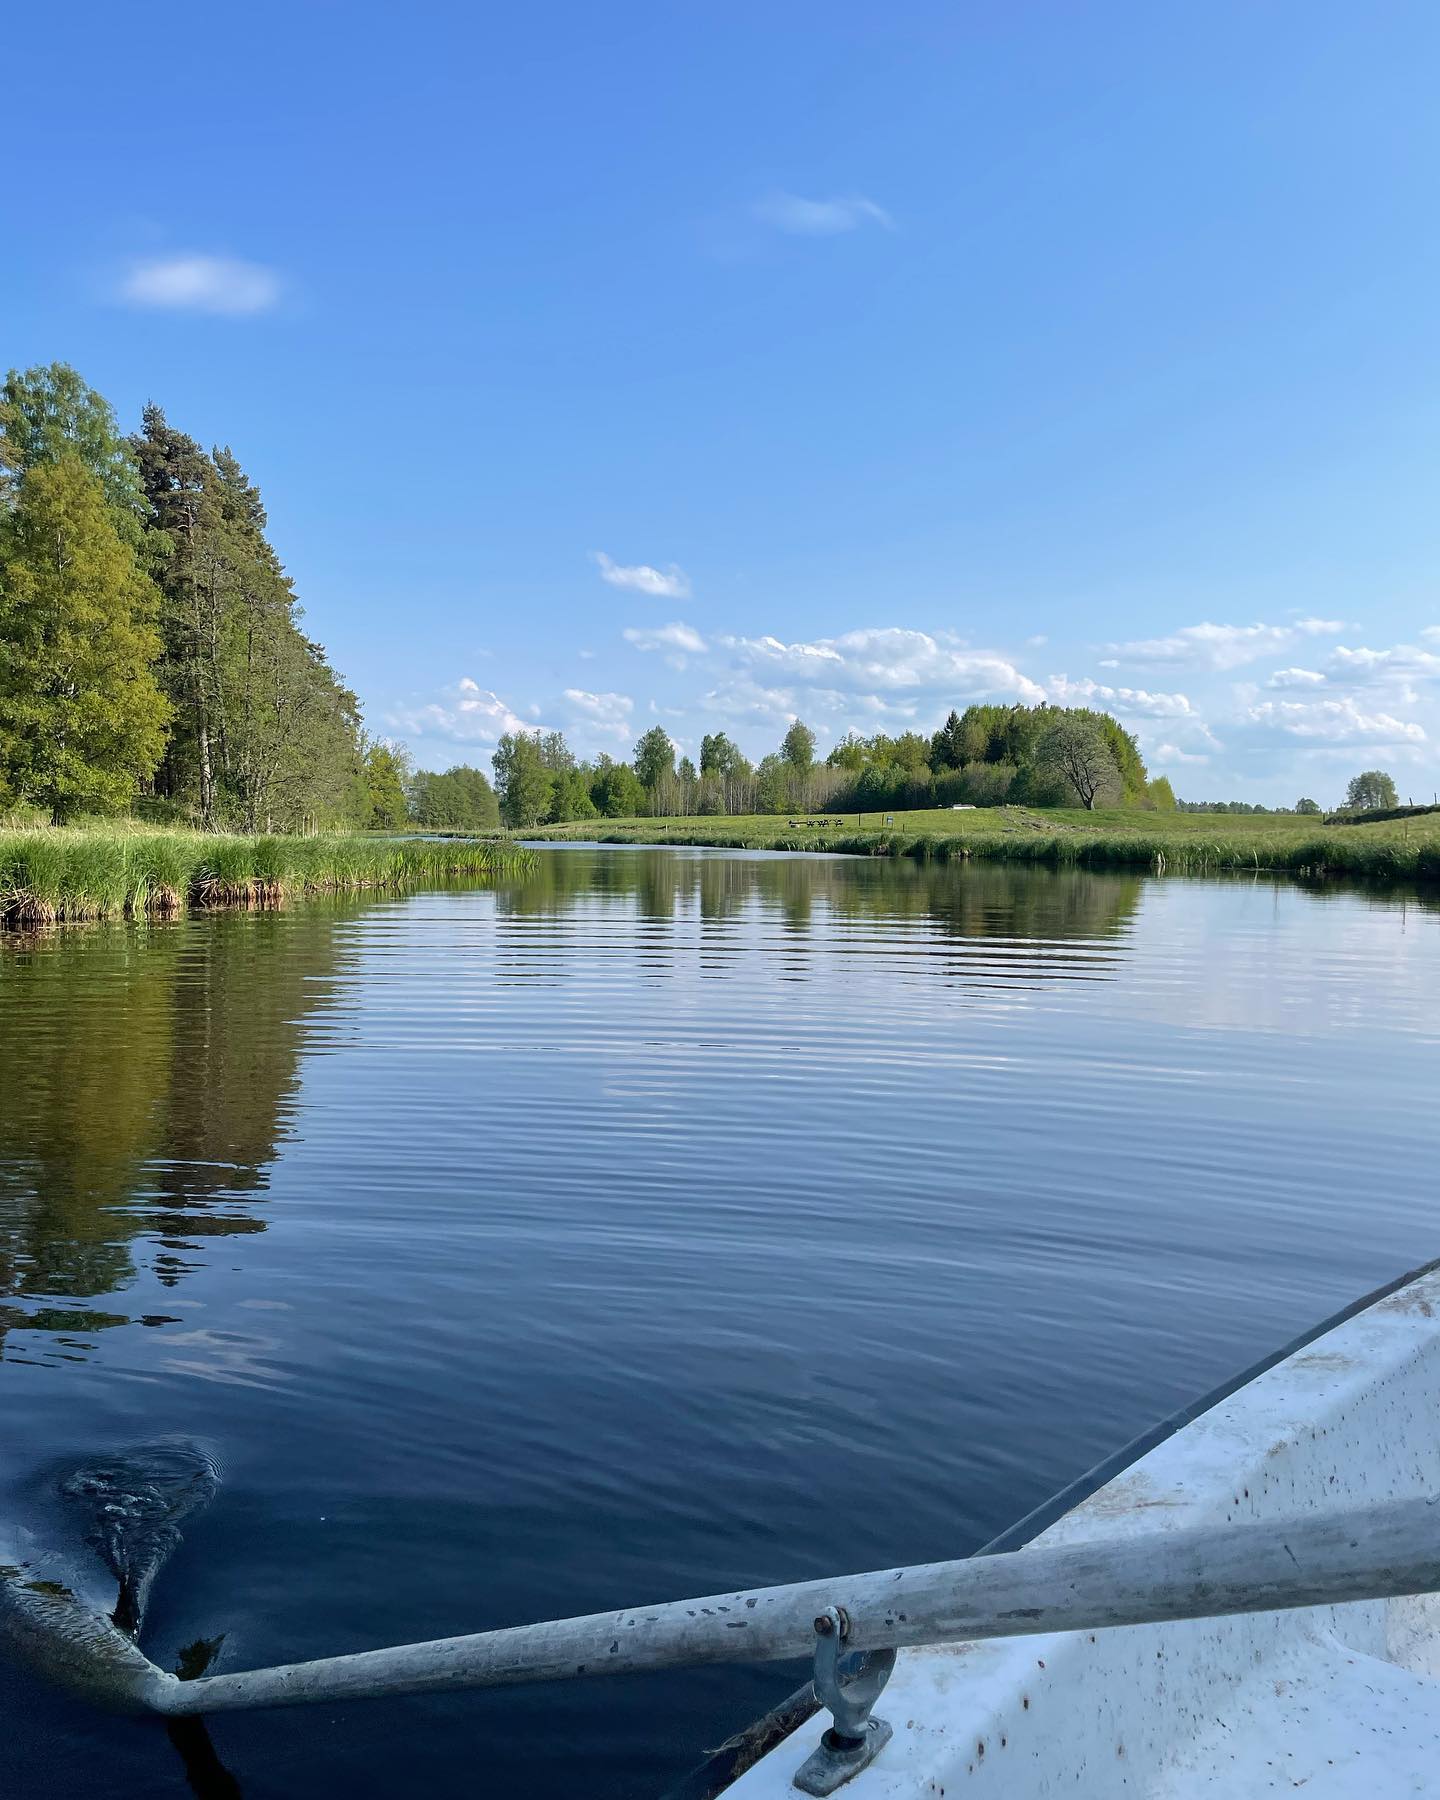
<point x="713" y="364"/>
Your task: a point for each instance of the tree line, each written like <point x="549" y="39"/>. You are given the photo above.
<point x="1370" y="791"/>
<point x="155" y="656"/>
<point x="153" y="645"/>
<point x="1035" y="755"/>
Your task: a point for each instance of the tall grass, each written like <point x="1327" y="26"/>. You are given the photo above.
<point x="1385" y="853"/>
<point x="52" y="875"/>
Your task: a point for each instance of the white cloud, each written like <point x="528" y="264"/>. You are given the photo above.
<point x="751" y="700"/>
<point x="1432" y="632"/>
<point x="677" y="642"/>
<point x="1296" y="678"/>
<point x="661" y="584"/>
<point x="1038" y="642"/>
<point x="465" y="713"/>
<point x="888" y="657"/>
<point x="190" y="282"/>
<point x="1402" y="664"/>
<point x="1334" y="721"/>
<point x="602" y="712"/>
<point x="1122" y="699"/>
<point x="1210" y="646"/>
<point x="820" y="218"/>
<point x="1172" y="753"/>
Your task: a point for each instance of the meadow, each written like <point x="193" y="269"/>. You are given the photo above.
<point x="52" y="874"/>
<point x="1406" y="849"/>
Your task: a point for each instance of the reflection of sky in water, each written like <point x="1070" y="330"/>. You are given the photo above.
<point x="546" y="1241"/>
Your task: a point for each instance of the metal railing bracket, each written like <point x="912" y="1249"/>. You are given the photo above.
<point x="847" y="1685"/>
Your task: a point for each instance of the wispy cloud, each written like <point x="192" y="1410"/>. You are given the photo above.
<point x="888" y="657"/>
<point x="609" y="713"/>
<point x="677" y="642"/>
<point x="465" y="713"/>
<point x="798" y="217"/>
<point x="751" y="700"/>
<point x="742" y="697"/>
<point x="1402" y="664"/>
<point x="188" y="281"/>
<point x="1221" y="647"/>
<point x="1296" y="678"/>
<point x="1334" y="722"/>
<point x="1431" y="634"/>
<point x="1172" y="753"/>
<point x="661" y="584"/>
<point x="1122" y="699"/>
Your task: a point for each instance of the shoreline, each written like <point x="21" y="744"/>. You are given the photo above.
<point x="1393" y="851"/>
<point x="64" y="875"/>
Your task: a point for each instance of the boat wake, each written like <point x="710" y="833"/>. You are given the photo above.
<point x="134" y="1506"/>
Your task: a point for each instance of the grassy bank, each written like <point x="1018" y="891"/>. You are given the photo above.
<point x="1183" y="843"/>
<point x="52" y="875"/>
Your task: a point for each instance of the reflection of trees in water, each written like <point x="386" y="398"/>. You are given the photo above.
<point x="963" y="899"/>
<point x="145" y="1073"/>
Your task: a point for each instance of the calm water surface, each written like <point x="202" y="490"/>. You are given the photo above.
<point x="658" y="1222"/>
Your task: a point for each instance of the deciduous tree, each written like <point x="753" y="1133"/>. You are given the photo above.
<point x="1371" y="791"/>
<point x="798" y="747"/>
<point x="616" y="790"/>
<point x="654" y="757"/>
<point x="384" y="775"/>
<point x="49" y="412"/>
<point x="82" y="719"/>
<point x="1074" y="749"/>
<point x="459" y="799"/>
<point x="524" y="784"/>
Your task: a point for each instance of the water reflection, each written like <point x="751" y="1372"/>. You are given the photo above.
<point x="978" y="927"/>
<point x="147" y="1074"/>
<point x="969" y="901"/>
<point x="488" y="1236"/>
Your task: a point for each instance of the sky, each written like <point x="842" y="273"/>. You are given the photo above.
<point x="716" y="365"/>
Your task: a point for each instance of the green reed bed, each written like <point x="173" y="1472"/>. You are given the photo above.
<point x="47" y="876"/>
<point x="1187" y="844"/>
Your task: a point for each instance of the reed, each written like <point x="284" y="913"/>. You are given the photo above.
<point x="51" y="875"/>
<point x="1400" y="850"/>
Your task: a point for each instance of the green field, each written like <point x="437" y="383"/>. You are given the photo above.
<point x="99" y="872"/>
<point x="1184" y="843"/>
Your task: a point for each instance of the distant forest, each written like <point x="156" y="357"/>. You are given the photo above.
<point x="985" y="756"/>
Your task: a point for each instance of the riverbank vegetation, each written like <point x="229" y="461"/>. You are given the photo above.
<point x="1046" y="758"/>
<point x="1405" y="849"/>
<point x="154" y="651"/>
<point x="1035" y="755"/>
<point x="60" y="873"/>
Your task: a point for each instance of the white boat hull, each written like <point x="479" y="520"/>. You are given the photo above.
<point x="1332" y="1701"/>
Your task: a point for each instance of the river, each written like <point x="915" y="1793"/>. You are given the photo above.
<point x="651" y="1223"/>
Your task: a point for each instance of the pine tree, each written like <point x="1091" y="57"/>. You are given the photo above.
<point x="179" y="483"/>
<point x="82" y="719"/>
<point x="948" y="747"/>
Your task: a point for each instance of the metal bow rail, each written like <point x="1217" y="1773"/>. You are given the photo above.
<point x="852" y="1625"/>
